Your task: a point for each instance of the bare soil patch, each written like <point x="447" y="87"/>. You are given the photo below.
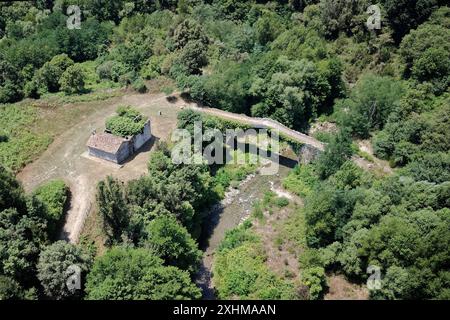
<point x="341" y="289"/>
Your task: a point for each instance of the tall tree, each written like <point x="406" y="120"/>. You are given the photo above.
<point x="126" y="274"/>
<point x="112" y="207"/>
<point x="172" y="242"/>
<point x="58" y="262"/>
<point x="336" y="153"/>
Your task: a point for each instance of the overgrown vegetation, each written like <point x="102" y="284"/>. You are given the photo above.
<point x="18" y="142"/>
<point x="128" y="122"/>
<point x="240" y="271"/>
<point x="53" y="196"/>
<point x="354" y="220"/>
<point x="26" y="225"/>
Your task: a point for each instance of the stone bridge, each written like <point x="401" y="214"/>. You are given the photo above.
<point x="310" y="149"/>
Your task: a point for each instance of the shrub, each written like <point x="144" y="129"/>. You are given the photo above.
<point x="54" y="263"/>
<point x="281" y="202"/>
<point x="152" y="69"/>
<point x="301" y="180"/>
<point x="72" y="80"/>
<point x="127" y="274"/>
<point x="111" y="70"/>
<point x="139" y="85"/>
<point x="315" y="279"/>
<point x="127" y="78"/>
<point x="50" y="74"/>
<point x="257" y="211"/>
<point x="370" y="103"/>
<point x="53" y="195"/>
<point x="172" y="242"/>
<point x="127" y="122"/>
<point x="241" y="273"/>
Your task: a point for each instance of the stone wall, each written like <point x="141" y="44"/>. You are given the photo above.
<point x="122" y="154"/>
<point x="140" y="139"/>
<point x="308" y="153"/>
<point x="102" y="154"/>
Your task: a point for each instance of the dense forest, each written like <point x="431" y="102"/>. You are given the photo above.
<point x="297" y="61"/>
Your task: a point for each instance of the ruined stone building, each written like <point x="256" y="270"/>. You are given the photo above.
<point x="117" y="149"/>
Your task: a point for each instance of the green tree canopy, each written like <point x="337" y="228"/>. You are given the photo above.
<point x="172" y="242"/>
<point x="54" y="270"/>
<point x="136" y="274"/>
<point x="72" y="80"/>
<point x="112" y="207"/>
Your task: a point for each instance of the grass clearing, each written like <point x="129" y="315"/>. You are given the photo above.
<point x="20" y="144"/>
<point x="27" y="128"/>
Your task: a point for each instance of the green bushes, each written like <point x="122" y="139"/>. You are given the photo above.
<point x="229" y="174"/>
<point x="35" y="61"/>
<point x="10" y="289"/>
<point x="152" y="68"/>
<point x="301" y="180"/>
<point x="20" y="144"/>
<point x="173" y="243"/>
<point x="355" y="221"/>
<point x="111" y="70"/>
<point x="407" y="15"/>
<point x="342" y="16"/>
<point x="336" y="153"/>
<point x="160" y="215"/>
<point x="314" y="279"/>
<point x="241" y="273"/>
<point x="277" y="59"/>
<point x="425" y="52"/>
<point x="23" y="232"/>
<point x="239" y="269"/>
<point x="416" y="133"/>
<point x="237" y="236"/>
<point x="181" y="190"/>
<point x="137" y="275"/>
<point x="72" y="80"/>
<point x="281" y="202"/>
<point x="54" y="196"/>
<point x="49" y="76"/>
<point x="127" y="122"/>
<point x="54" y="264"/>
<point x="369" y="105"/>
<point x="139" y="85"/>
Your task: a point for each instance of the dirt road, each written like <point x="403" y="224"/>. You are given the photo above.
<point x="66" y="157"/>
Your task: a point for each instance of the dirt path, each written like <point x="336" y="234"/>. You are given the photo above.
<point x="66" y="157"/>
<point x="377" y="164"/>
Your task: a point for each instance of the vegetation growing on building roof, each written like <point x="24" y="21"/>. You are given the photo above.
<point x="127" y="122"/>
